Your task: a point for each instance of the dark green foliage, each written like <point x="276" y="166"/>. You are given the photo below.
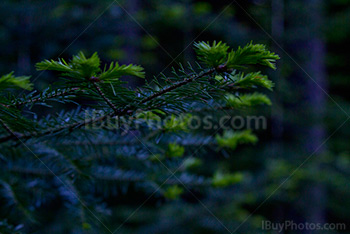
<point x="217" y="54"/>
<point x="10" y="81"/>
<point x="106" y="146"/>
<point x="81" y="69"/>
<point x="251" y="54"/>
<point x="213" y="55"/>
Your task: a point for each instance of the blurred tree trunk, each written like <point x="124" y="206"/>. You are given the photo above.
<point x="24" y="37"/>
<point x="315" y="65"/>
<point x="277" y="32"/>
<point x="307" y="47"/>
<point x="131" y="34"/>
<point x="188" y="31"/>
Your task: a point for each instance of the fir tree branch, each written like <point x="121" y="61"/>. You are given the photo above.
<point x="68" y="127"/>
<point x="109" y="102"/>
<point x="123" y="112"/>
<point x="49" y="96"/>
<point x="178" y="85"/>
<point x="119" y="176"/>
<point x="8" y="129"/>
<point x="214" y="109"/>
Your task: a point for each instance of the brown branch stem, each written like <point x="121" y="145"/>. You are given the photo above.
<point x="109" y="102"/>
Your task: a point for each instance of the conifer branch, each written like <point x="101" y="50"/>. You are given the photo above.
<point x="92" y="159"/>
<point x="68" y="127"/>
<point x="115" y="113"/>
<point x="49" y="96"/>
<point x="119" y="176"/>
<point x="178" y="85"/>
<point x="171" y="88"/>
<point x="13" y="134"/>
<point x="109" y="102"/>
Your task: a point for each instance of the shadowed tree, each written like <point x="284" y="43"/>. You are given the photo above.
<point x="309" y="76"/>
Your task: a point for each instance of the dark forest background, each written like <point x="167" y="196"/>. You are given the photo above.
<point x="300" y="168"/>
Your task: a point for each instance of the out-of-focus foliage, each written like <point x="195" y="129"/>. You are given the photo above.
<point x="31" y="31"/>
<point x="10" y="81"/>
